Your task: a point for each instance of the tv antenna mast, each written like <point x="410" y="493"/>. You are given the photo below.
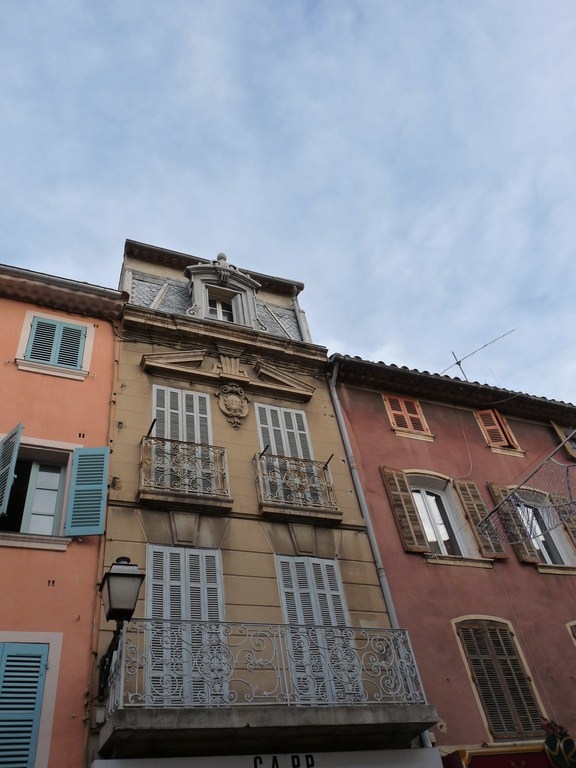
<point x="459" y="361"/>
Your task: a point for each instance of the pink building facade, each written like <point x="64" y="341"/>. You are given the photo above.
<point x="492" y="618"/>
<point x="57" y="347"/>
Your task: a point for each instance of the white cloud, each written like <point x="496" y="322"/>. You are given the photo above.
<point x="413" y="164"/>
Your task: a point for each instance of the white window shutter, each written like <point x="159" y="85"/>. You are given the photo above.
<point x="182" y="415"/>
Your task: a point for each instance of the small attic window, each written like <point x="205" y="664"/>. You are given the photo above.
<point x="220" y="291"/>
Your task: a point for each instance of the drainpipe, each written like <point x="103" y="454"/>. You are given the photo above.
<point x="362" y="499"/>
<point x="384" y="585"/>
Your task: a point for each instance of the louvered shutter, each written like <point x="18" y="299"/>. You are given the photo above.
<point x="406" y="414"/>
<point x="56" y="343"/>
<point x="8" y="454"/>
<point x="184" y="592"/>
<point x="330" y="603"/>
<point x="405" y="513"/>
<point x="564" y="507"/>
<point x="476" y="511"/>
<point x="22" y="674"/>
<point x="182" y="415"/>
<point x="495" y="430"/>
<point x="86" y="511"/>
<point x="503" y="686"/>
<point x="285" y="431"/>
<point x="312" y="599"/>
<point x="71" y="346"/>
<point x="512" y="522"/>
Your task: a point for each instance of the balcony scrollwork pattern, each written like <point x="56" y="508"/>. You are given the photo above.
<point x="289" y="482"/>
<point x="175" y="467"/>
<point x="186" y="664"/>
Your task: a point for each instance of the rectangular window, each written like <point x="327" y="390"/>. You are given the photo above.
<point x="284" y="431"/>
<point x="502" y="683"/>
<point x="182" y="414"/>
<point x="496" y="430"/>
<point x="220" y="309"/>
<point x="56" y="343"/>
<point x="185" y="600"/>
<point x="313" y="600"/>
<point x="32" y="489"/>
<point x="22" y="674"/>
<point x="406" y="416"/>
<point x="296" y="478"/>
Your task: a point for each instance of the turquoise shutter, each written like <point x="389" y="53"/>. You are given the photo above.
<point x="22" y="673"/>
<point x="56" y="343"/>
<point x="87" y="500"/>
<point x="8" y="455"/>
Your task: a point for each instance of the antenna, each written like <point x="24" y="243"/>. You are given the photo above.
<point x="459" y="361"/>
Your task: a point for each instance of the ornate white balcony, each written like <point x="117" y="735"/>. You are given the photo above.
<point x="295" y="488"/>
<point x="179" y="473"/>
<point x="186" y="664"/>
<point x="253" y="682"/>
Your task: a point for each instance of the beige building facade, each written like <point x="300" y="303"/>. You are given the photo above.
<point x="261" y="631"/>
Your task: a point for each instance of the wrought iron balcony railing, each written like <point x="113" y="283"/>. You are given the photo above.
<point x="163" y="664"/>
<point x="287" y="482"/>
<point x="174" y="467"/>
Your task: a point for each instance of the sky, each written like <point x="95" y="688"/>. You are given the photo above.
<point x="412" y="162"/>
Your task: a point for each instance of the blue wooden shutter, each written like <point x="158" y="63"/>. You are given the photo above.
<point x="8" y="455"/>
<point x="56" y="343"/>
<point x="87" y="500"/>
<point x="22" y="673"/>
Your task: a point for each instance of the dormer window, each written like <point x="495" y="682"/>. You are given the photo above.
<point x="219" y="291"/>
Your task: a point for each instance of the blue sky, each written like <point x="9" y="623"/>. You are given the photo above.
<point x="413" y="162"/>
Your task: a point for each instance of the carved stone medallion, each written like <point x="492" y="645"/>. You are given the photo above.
<point x="233" y="403"/>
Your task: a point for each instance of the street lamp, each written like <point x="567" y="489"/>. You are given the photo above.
<point x="119" y="592"/>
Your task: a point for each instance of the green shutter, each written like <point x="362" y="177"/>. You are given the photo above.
<point x="525" y="550"/>
<point x="22" y="673"/>
<point x="404" y="509"/>
<point x="476" y="511"/>
<point x="8" y="455"/>
<point x="56" y="343"/>
<point x="87" y="502"/>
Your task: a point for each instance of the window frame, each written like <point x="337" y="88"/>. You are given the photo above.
<point x="563" y="536"/>
<point x="25" y="363"/>
<point x="499" y="674"/>
<point x="465" y="507"/>
<point x="407" y="417"/>
<point x="82" y="492"/>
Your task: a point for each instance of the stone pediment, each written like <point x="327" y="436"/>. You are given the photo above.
<point x="279" y="383"/>
<point x="258" y="377"/>
<point x="173" y="362"/>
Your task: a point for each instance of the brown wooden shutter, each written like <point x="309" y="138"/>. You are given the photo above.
<point x="404" y="509"/>
<point x="503" y="685"/>
<point x="476" y="511"/>
<point x="570" y="523"/>
<point x="525" y="550"/>
<point x="492" y="429"/>
<point x="407" y="415"/>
